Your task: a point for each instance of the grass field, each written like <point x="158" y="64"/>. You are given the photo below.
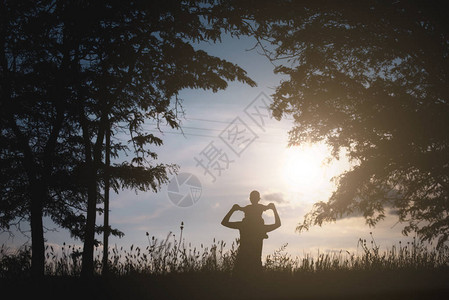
<point x="169" y="269"/>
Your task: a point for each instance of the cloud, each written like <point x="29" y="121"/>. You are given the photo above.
<point x="274" y="197"/>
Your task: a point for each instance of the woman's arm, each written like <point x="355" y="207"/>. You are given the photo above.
<point x="225" y="222"/>
<point x="277" y="220"/>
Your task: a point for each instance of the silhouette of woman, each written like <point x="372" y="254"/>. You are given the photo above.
<point x="252" y="232"/>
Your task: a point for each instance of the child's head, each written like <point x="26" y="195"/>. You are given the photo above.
<point x="254" y="197"/>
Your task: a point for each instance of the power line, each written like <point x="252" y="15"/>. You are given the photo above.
<point x="207" y="135"/>
<point x="220" y="122"/>
<point x="227" y="122"/>
<point x="220" y="130"/>
<point x="198" y="128"/>
<point x="206" y="120"/>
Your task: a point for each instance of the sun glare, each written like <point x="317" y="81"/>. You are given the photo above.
<point x="305" y="169"/>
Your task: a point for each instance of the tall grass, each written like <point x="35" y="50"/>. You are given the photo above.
<point x="414" y="255"/>
<point x="170" y="255"/>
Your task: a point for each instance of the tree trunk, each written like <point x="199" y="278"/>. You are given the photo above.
<point x="92" y="168"/>
<point x="106" y="202"/>
<point x="38" y="192"/>
<point x="87" y="268"/>
<point x="37" y="232"/>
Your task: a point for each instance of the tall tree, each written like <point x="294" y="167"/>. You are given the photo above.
<point x="38" y="151"/>
<point x="70" y="70"/>
<point x="134" y="58"/>
<point x="371" y="77"/>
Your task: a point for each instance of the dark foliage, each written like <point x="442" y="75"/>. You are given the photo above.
<point x="369" y="77"/>
<point x="72" y="70"/>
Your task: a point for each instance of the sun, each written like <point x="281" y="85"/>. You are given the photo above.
<point x="307" y="173"/>
<point x="304" y="167"/>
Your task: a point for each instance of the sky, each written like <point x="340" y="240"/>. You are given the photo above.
<point x="229" y="146"/>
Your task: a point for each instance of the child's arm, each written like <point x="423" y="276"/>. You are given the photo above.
<point x="225" y="222"/>
<point x="277" y="220"/>
<point x="264" y="207"/>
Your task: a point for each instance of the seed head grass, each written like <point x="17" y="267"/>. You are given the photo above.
<point x="171" y="255"/>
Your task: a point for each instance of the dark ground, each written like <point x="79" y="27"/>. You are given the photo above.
<point x="324" y="285"/>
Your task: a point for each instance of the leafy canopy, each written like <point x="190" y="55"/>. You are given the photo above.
<point x="69" y="70"/>
<point x="370" y="77"/>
